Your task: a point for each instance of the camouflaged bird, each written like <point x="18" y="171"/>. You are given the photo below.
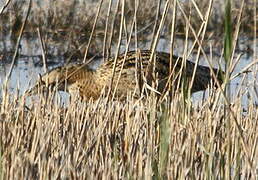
<point x="131" y="72"/>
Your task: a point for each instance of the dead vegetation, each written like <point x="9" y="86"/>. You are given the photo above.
<point x="215" y="137"/>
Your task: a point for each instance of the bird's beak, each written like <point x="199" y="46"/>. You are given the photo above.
<point x="40" y="87"/>
<point x="37" y="89"/>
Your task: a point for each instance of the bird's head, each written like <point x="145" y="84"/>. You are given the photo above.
<point x="47" y="82"/>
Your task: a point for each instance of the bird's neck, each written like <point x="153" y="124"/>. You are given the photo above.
<point x="91" y="85"/>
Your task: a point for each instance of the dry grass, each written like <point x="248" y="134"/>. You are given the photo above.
<point x="215" y="138"/>
<point x="126" y="140"/>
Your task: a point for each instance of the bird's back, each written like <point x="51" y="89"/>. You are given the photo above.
<point x="135" y="62"/>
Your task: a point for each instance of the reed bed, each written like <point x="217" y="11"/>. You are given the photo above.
<point x="176" y="138"/>
<point x="133" y="139"/>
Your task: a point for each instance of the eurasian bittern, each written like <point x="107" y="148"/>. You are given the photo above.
<point x="131" y="71"/>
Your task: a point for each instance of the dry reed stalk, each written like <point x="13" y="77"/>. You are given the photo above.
<point x="18" y="42"/>
<point x="172" y="38"/>
<point x="43" y="50"/>
<point x="5" y="6"/>
<point x="126" y="51"/>
<point x="112" y="27"/>
<point x="154" y="31"/>
<point x="255" y="55"/>
<point x="112" y="94"/>
<point x="106" y="29"/>
<point x="205" y="22"/>
<point x="157" y="35"/>
<point x="136" y="2"/>
<point x="5" y="84"/>
<point x="220" y="88"/>
<point x="92" y="31"/>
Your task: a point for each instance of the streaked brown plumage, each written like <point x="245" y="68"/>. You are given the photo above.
<point x="136" y="71"/>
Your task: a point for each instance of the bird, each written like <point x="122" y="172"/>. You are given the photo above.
<point x="125" y="74"/>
